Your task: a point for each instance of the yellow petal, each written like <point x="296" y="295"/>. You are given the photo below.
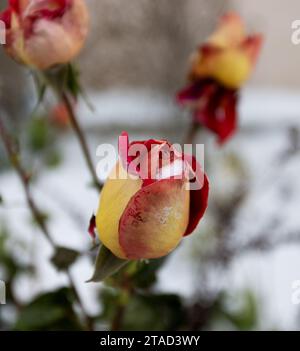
<point x="230" y="31"/>
<point x="114" y="199"/>
<point x="232" y="68"/>
<point x="17" y="48"/>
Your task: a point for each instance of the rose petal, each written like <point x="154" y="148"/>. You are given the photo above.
<point x="199" y="197"/>
<point x="228" y="55"/>
<point x="115" y="196"/>
<point x="49" y="9"/>
<point x="44" y="33"/>
<point x="92" y="227"/>
<point x="230" y="32"/>
<point x="220" y="113"/>
<point x="252" y="47"/>
<point x="155" y="220"/>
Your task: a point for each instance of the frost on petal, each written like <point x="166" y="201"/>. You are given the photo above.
<point x="155" y="219"/>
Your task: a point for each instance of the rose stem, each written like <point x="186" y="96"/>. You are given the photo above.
<point x="127" y="288"/>
<point x="81" y="138"/>
<point x="191" y="133"/>
<point x="36" y="213"/>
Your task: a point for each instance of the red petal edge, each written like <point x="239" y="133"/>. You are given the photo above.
<point x="92" y="227"/>
<point x="198" y="198"/>
<point x="214" y="107"/>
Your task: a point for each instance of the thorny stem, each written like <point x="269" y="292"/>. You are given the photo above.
<point x="14" y="158"/>
<point x="61" y="93"/>
<point x="81" y="138"/>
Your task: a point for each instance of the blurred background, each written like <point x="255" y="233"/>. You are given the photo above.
<point x="237" y="271"/>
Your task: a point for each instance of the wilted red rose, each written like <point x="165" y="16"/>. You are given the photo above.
<point x="147" y="204"/>
<point x="44" y="33"/>
<point x="219" y="68"/>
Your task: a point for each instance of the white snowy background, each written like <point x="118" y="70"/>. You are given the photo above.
<point x="270" y="208"/>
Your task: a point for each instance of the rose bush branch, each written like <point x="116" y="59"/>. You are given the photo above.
<point x="81" y="138"/>
<point x="191" y="133"/>
<point x="24" y="176"/>
<point x="63" y="81"/>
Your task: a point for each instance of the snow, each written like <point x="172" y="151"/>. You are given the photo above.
<point x="271" y="207"/>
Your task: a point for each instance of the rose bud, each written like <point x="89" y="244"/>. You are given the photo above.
<point x="150" y="201"/>
<point x="218" y="70"/>
<point x="44" y="33"/>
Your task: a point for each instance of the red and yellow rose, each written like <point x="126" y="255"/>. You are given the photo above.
<point x="218" y="70"/>
<point x="44" y="33"/>
<point x="147" y="207"/>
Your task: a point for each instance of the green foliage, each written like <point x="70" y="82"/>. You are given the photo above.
<point x="42" y="140"/>
<point x="153" y="312"/>
<point x="49" y="311"/>
<point x="64" y="258"/>
<point x="62" y="79"/>
<point x="39" y="134"/>
<point x="157" y="312"/>
<point x="53" y="158"/>
<point x="106" y="265"/>
<point x="142" y="274"/>
<point x="41" y="88"/>
<point x="129" y="291"/>
<point x="244" y="316"/>
<point x="72" y="80"/>
<point x="8" y="263"/>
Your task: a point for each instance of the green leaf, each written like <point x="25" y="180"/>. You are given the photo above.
<point x="49" y="311"/>
<point x="146" y="273"/>
<point x="106" y="265"/>
<point x="153" y="312"/>
<point x="143" y="311"/>
<point x="10" y="266"/>
<point x="65" y="79"/>
<point x="72" y="80"/>
<point x="142" y="274"/>
<point x="247" y="316"/>
<point x="64" y="258"/>
<point x="41" y="88"/>
<point x="53" y="158"/>
<point x="43" y="217"/>
<point x="39" y="134"/>
<point x="240" y="310"/>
